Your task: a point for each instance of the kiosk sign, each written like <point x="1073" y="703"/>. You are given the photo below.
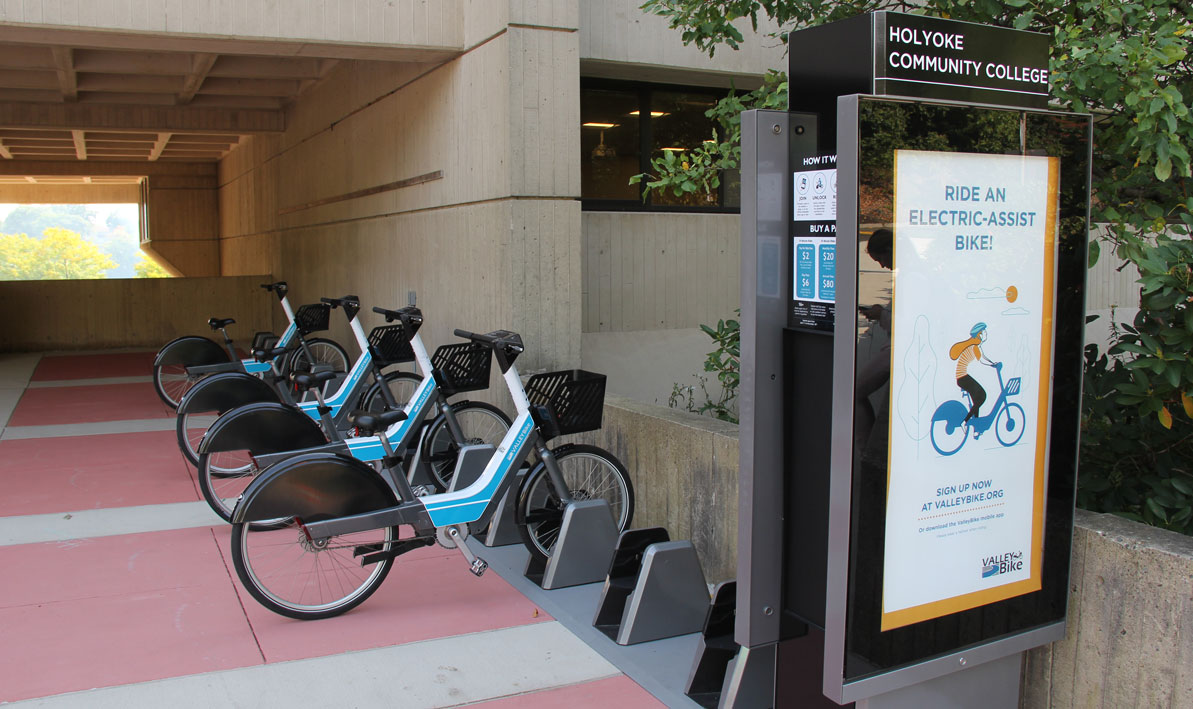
<point x="971" y="360"/>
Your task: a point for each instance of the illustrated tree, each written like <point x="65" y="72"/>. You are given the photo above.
<point x="59" y="254"/>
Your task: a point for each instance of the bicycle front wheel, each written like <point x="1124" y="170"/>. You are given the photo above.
<point x="401" y="385"/>
<point x="590" y="473"/>
<point x="1010" y="424"/>
<point x="295" y="576"/>
<point x="479" y="422"/>
<point x="323" y="351"/>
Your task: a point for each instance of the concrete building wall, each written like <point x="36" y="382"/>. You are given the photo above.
<point x="70" y="194"/>
<point x="489" y="239"/>
<point x="654" y="271"/>
<point x="615" y="34"/>
<point x="40" y="316"/>
<point x="409" y="22"/>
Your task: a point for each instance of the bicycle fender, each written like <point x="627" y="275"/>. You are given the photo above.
<point x="952" y="412"/>
<point x="262" y="427"/>
<point x="190" y="350"/>
<point x="314" y="487"/>
<point x="225" y="391"/>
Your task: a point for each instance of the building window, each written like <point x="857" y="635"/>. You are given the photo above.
<point x="624" y="126"/>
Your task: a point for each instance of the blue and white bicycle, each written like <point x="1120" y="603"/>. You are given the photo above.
<point x="275" y="416"/>
<point x="183" y="361"/>
<point x="951" y="423"/>
<point x="428" y="439"/>
<point x="341" y="533"/>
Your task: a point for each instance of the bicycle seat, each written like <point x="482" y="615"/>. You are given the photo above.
<point x="264" y="355"/>
<point x="217" y="323"/>
<point x="368" y="422"/>
<point x="311" y="380"/>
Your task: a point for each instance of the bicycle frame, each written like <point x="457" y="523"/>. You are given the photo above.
<point x="250" y="365"/>
<point x="369" y="449"/>
<point x="474" y="503"/>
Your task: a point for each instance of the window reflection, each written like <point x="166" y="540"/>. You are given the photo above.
<point x="625" y="126"/>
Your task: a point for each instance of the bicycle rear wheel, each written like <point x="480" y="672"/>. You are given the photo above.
<point x="402" y="386"/>
<point x="171" y="382"/>
<point x="223" y="477"/>
<point x="590" y="473"/>
<point x="295" y="576"/>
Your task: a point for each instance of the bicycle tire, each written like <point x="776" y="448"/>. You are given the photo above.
<point x="190" y="429"/>
<point x="324" y="351"/>
<point x="480" y="422"/>
<point x="540" y="512"/>
<point x="171" y="382"/>
<point x="1012" y="436"/>
<point x="401" y="384"/>
<point x="295" y="578"/>
<point x="942" y="419"/>
<point x="222" y="489"/>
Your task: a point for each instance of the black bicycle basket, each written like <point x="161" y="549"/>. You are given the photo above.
<point x="312" y="317"/>
<point x="463" y="366"/>
<point x="569" y="401"/>
<point x="389" y="344"/>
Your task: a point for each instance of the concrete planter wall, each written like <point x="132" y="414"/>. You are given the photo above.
<point x="1130" y="631"/>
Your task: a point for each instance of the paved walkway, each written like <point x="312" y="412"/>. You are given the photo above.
<point x="119" y="592"/>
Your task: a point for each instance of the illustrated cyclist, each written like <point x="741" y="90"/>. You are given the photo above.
<point x="967" y="352"/>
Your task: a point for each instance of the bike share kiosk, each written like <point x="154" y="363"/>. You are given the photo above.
<point x="914" y="240"/>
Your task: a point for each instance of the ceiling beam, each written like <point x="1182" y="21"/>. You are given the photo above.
<point x="159" y="146"/>
<point x="68" y="80"/>
<point x="141" y="118"/>
<point x="200" y="66"/>
<point x="80" y="144"/>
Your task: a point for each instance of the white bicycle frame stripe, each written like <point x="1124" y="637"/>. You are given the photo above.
<point x="252" y="366"/>
<point x="369" y="448"/>
<point x="454" y="507"/>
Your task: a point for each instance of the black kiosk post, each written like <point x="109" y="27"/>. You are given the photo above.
<point x="914" y="237"/>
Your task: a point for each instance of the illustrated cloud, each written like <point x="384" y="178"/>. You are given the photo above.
<point x="984" y="293"/>
<point x="1016" y="311"/>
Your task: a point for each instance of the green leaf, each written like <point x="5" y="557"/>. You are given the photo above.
<point x="1095" y="250"/>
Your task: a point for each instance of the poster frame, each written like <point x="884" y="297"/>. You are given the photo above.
<point x="835" y="686"/>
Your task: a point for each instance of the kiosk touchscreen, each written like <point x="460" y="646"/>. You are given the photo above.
<point x="952" y="497"/>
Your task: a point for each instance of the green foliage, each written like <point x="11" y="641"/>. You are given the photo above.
<point x="1129" y="465"/>
<point x="1128" y="63"/>
<point x="59" y="254"/>
<point x="724" y="362"/>
<point x="700" y="170"/>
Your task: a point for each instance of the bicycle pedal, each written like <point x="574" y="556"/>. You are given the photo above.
<point x="478" y="566"/>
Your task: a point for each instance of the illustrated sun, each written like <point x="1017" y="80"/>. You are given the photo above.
<point x="1012" y="294"/>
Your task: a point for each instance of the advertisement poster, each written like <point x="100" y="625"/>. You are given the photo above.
<point x="971" y="354"/>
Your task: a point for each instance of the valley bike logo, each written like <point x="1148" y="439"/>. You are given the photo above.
<point x="1002" y="564"/>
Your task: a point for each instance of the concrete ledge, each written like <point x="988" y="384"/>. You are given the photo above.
<point x="684" y="470"/>
<point x="1130" y="631"/>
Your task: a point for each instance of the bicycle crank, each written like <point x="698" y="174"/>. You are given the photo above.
<point x="454" y="537"/>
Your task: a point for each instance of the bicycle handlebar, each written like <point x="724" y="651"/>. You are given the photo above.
<point x="506" y="345"/>
<point x="350" y="304"/>
<point x="410" y="316"/>
<point x="278" y="287"/>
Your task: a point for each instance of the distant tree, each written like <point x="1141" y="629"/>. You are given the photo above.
<point x="59" y="254"/>
<point x="36" y="218"/>
<point x="148" y="268"/>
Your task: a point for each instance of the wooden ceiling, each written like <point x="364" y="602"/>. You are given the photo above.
<point x="66" y="84"/>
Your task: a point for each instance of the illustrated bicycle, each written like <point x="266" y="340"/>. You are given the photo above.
<point x="187" y="359"/>
<point x="950" y="430"/>
<point x="342" y="533"/>
<point x="429" y="436"/>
